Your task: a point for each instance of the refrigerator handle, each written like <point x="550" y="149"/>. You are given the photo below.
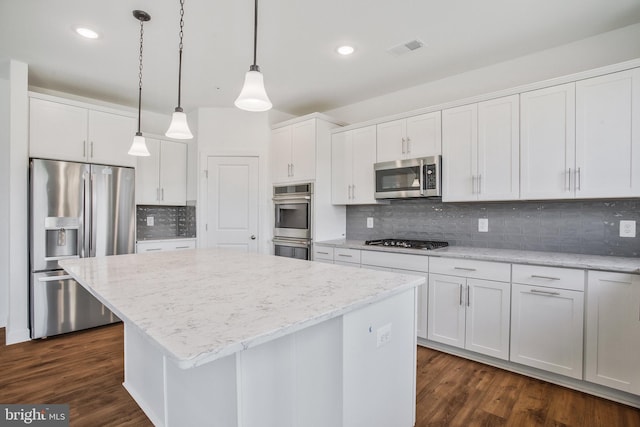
<point x="83" y="235"/>
<point x="94" y="218"/>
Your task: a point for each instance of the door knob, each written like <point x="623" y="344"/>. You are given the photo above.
<point x="253" y="237"/>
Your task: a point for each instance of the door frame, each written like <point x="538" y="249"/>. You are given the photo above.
<point x="264" y="229"/>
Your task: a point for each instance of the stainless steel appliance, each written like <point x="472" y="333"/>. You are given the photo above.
<point x="409" y="178"/>
<point x="293" y="217"/>
<point x="76" y="210"/>
<point x="407" y="243"/>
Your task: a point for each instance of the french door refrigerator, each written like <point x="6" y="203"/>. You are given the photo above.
<point x="76" y="210"/>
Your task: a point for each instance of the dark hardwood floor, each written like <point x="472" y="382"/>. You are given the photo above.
<point x="85" y="369"/>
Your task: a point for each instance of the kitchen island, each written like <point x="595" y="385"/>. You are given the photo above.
<point x="218" y="337"/>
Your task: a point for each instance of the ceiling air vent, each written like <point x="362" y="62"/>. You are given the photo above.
<point x="405" y="47"/>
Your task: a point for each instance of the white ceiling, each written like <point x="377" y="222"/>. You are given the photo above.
<point x="296" y="45"/>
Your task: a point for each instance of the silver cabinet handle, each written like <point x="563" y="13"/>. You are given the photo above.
<point x="84" y="148"/>
<point x="162" y="192"/>
<point x="182" y="247"/>
<point x="322" y="253"/>
<point x="464" y="269"/>
<point x="404" y="142"/>
<point x="622" y="282"/>
<point x="92" y="149"/>
<point x="153" y="249"/>
<point x="479" y="183"/>
<point x="292" y="172"/>
<point x="578" y="180"/>
<point x="408" y="145"/>
<point x="536" y="291"/>
<point x="569" y="178"/>
<point x="535" y="276"/>
<point x="54" y="278"/>
<point x="346" y="256"/>
<point x="468" y="296"/>
<point x="460" y="294"/>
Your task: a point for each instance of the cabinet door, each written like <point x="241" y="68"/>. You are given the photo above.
<point x="57" y="131"/>
<point x="499" y="149"/>
<point x="460" y="153"/>
<point x="173" y="173"/>
<point x="446" y="310"/>
<point x="488" y="317"/>
<point x="391" y="143"/>
<point x="281" y="154"/>
<point x="303" y="151"/>
<point x="608" y="135"/>
<point x="613" y="330"/>
<point x="110" y="137"/>
<point x="341" y="160"/>
<point x="547" y="143"/>
<point x="547" y="329"/>
<point x="148" y="175"/>
<point x="424" y="135"/>
<point x="364" y="157"/>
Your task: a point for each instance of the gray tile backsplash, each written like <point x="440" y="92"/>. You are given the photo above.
<point x="170" y="222"/>
<point x="585" y="227"/>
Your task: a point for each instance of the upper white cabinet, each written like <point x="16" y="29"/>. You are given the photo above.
<point x="353" y="154"/>
<point x="69" y="132"/>
<point x="161" y="179"/>
<point x="547" y="143"/>
<point x="608" y="135"/>
<point x="293" y="152"/>
<point x="417" y="136"/>
<point x="547" y="311"/>
<point x="613" y="330"/>
<point x="480" y="151"/>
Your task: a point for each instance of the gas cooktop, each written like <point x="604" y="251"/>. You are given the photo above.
<point x="406" y="243"/>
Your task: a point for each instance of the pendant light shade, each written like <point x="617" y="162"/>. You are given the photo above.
<point x="253" y="96"/>
<point x="179" y="127"/>
<point x="139" y="145"/>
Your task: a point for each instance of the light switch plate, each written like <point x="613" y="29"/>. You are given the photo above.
<point x="627" y="229"/>
<point x="483" y="225"/>
<point x="383" y="335"/>
<point x="150" y="221"/>
<point x="369" y="222"/>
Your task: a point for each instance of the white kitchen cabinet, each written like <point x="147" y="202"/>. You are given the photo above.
<point x="469" y="312"/>
<point x="293" y="152"/>
<point x="613" y="330"/>
<point x="547" y="143"/>
<point x="321" y="253"/>
<point x="406" y="264"/>
<point x="65" y="131"/>
<point x="608" y="136"/>
<point x="353" y="154"/>
<point x="547" y="310"/>
<point x="161" y="178"/>
<point x="410" y="138"/>
<point x="346" y="256"/>
<point x="164" y="245"/>
<point x="480" y="151"/>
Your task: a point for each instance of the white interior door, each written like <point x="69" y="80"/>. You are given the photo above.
<point x="232" y="203"/>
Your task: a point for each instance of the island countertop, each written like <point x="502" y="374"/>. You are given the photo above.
<point x="204" y="304"/>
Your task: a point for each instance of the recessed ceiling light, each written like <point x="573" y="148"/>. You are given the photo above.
<point x="345" y="50"/>
<point x="87" y="33"/>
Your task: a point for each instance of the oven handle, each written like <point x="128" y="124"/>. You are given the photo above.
<point x="288" y="199"/>
<point x="421" y="173"/>
<point x="292" y="243"/>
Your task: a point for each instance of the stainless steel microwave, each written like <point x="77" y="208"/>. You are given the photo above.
<point x="402" y="179"/>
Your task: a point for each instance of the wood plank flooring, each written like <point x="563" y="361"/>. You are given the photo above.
<point x="86" y="370"/>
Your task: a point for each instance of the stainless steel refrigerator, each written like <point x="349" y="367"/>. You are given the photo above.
<point x="76" y="210"/>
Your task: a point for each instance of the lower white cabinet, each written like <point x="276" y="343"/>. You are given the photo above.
<point x="469" y="312"/>
<point x="547" y="310"/>
<point x="613" y="330"/>
<point x="165" y="245"/>
<point x="322" y="254"/>
<point x="346" y="256"/>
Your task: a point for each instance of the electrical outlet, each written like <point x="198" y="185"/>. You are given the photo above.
<point x="150" y="221"/>
<point x="483" y="225"/>
<point x="369" y="222"/>
<point x="627" y="229"/>
<point x="384" y="335"/>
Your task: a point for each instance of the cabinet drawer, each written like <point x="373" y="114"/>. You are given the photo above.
<point x="549" y="277"/>
<point x="395" y="260"/>
<point x="164" y="245"/>
<point x="324" y="253"/>
<point x="469" y="268"/>
<point x="347" y="255"/>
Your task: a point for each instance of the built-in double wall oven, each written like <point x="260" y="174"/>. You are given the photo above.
<point x="292" y="220"/>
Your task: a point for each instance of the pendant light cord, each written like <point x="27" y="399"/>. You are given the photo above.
<point x="255" y="32"/>
<point x="180" y="54"/>
<point x="140" y="75"/>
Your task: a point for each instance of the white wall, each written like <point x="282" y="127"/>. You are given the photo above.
<point x="230" y="131"/>
<point x="4" y="196"/>
<point x="594" y="52"/>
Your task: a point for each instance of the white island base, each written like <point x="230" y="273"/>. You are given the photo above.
<point x="357" y="369"/>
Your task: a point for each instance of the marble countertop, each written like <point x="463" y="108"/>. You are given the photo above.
<point x="554" y="259"/>
<point x="204" y="304"/>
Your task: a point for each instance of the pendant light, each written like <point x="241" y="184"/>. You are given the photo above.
<point x="253" y="97"/>
<point x="179" y="128"/>
<point x="139" y="146"/>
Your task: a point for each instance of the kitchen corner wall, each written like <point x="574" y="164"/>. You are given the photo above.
<point x="584" y="227"/>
